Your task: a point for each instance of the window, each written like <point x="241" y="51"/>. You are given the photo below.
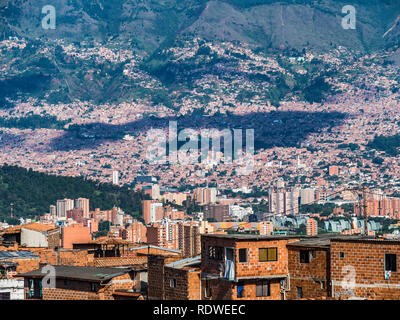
<point x="215" y="253"/>
<point x="219" y="253"/>
<point x="240" y="290"/>
<point x="268" y="254"/>
<point x="306" y="256"/>
<point x="5" y="295"/>
<point x="211" y="252"/>
<point x="299" y="292"/>
<point x="172" y="283"/>
<point x="341" y="255"/>
<point x="93" y="287"/>
<point x="390" y="262"/>
<point x="66" y="283"/>
<point x="208" y="289"/>
<point x="263" y="289"/>
<point x="242" y="255"/>
<point x="35" y="288"/>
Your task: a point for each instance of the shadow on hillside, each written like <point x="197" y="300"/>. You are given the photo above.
<point x="275" y="129"/>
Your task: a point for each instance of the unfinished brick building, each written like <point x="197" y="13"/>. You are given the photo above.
<point x="365" y="268"/>
<point x="309" y="269"/>
<point x="156" y="274"/>
<point x="250" y="267"/>
<point x="81" y="283"/>
<point x="182" y="279"/>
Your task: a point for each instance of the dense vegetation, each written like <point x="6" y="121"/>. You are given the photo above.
<point x="33" y="121"/>
<point x="388" y="144"/>
<point x="33" y="192"/>
<point x="323" y="209"/>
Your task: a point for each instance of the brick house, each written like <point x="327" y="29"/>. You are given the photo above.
<point x="156" y="273"/>
<point x="81" y="283"/>
<point x="37" y="235"/>
<point x="12" y="263"/>
<point x="182" y="279"/>
<point x="309" y="268"/>
<point x="365" y="268"/>
<point x="250" y="267"/>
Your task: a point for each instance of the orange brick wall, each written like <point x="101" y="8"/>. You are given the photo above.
<point x="225" y="290"/>
<point x="75" y="233"/>
<point x="210" y="265"/>
<point x="253" y="267"/>
<point x="80" y="290"/>
<point x="187" y="284"/>
<point x="313" y="277"/>
<point x="249" y="291"/>
<point x="221" y="290"/>
<point x="155" y="275"/>
<point x="256" y="268"/>
<point x="26" y="265"/>
<point x="368" y="260"/>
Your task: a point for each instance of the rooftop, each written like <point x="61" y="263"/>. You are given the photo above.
<point x="93" y="274"/>
<point x="31" y="226"/>
<point x="252" y="237"/>
<point x="9" y="255"/>
<point x="38" y="227"/>
<point x="184" y="263"/>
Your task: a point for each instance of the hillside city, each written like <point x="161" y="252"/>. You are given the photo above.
<point x="198" y="156"/>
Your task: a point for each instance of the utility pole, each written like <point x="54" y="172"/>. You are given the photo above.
<point x="12" y="214"/>
<point x="365" y="211"/>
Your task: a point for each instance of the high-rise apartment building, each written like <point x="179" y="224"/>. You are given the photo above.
<point x="312" y="227"/>
<point x="152" y="211"/>
<point x="266" y="228"/>
<point x="115" y="177"/>
<point x="216" y="212"/>
<point x="177" y="235"/>
<point x="63" y="206"/>
<point x="205" y="195"/>
<point x="82" y="203"/>
<point x="307" y="196"/>
<point x="53" y="211"/>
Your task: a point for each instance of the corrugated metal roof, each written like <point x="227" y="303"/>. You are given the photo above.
<point x="80" y="273"/>
<point x="5" y="255"/>
<point x="188" y="262"/>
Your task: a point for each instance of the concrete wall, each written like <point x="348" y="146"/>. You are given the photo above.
<point x="14" y="286"/>
<point x="33" y="239"/>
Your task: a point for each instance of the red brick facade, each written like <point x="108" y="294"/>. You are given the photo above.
<point x="312" y="278"/>
<point x="249" y="269"/>
<point x="364" y="261"/>
<point x="182" y="284"/>
<point x="85" y="290"/>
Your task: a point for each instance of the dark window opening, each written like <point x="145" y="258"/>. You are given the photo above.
<point x="390" y="262"/>
<point x="219" y="253"/>
<point x="242" y="255"/>
<point x="299" y="292"/>
<point x="263" y="288"/>
<point x="93" y="287"/>
<point x="240" y="290"/>
<point x="215" y="253"/>
<point x="172" y="283"/>
<point x="341" y="255"/>
<point x="208" y="289"/>
<point x="5" y="295"/>
<point x="35" y="288"/>
<point x="306" y="256"/>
